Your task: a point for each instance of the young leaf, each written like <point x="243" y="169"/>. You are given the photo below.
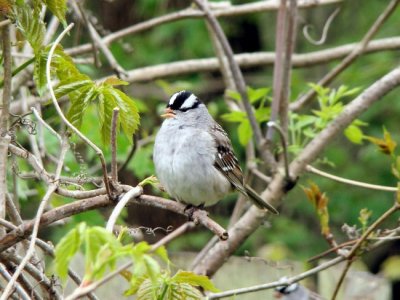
<point x="386" y="145"/>
<point x="354" y="134"/>
<point x="114" y="81"/>
<point x="320" y="202"/>
<point x="194" y="280"/>
<point x="31" y="26"/>
<point x="58" y="8"/>
<point x="67" y="248"/>
<point x="364" y="216"/>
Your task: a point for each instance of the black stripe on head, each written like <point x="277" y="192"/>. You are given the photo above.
<point x="183" y="101"/>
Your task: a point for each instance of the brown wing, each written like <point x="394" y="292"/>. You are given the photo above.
<point x="225" y="160"/>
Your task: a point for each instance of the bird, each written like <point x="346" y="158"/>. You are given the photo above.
<point x="194" y="158"/>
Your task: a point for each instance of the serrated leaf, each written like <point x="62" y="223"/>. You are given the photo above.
<point x="66" y="249"/>
<point x="129" y="117"/>
<point x="354" y="134"/>
<point x="64" y="88"/>
<point x="31" y="26"/>
<point x="146" y="291"/>
<point x="245" y="133"/>
<point x="80" y="101"/>
<point x="194" y="280"/>
<point x="58" y="8"/>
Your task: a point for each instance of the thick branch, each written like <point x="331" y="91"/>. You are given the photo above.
<point x="248" y="60"/>
<point x="252" y="219"/>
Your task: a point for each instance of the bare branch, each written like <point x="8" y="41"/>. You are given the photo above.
<point x="43" y="203"/>
<point x="130" y="195"/>
<point x="190" y="13"/>
<point x="255" y="59"/>
<point x="21" y="292"/>
<point x="313" y="170"/>
<point x="4" y="118"/>
<point x="281" y="282"/>
<point x="328" y="78"/>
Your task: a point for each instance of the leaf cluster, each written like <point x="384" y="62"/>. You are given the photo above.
<point x="146" y="278"/>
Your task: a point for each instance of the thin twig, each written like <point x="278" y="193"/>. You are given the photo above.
<point x="4" y="118"/>
<point x="114" y="130"/>
<point x="43" y="203"/>
<point x="313" y="170"/>
<point x="328" y="78"/>
<point x="287" y="281"/>
<point x="21" y="292"/>
<point x="353" y="251"/>
<point x="236" y="73"/>
<point x="191" y="13"/>
<point x="65" y="120"/>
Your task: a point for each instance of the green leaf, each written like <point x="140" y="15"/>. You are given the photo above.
<point x="354" y="134"/>
<point x="234" y="95"/>
<point x="234" y="116"/>
<point x="245" y="133"/>
<point x="195" y="280"/>
<point x="80" y="100"/>
<point x="262" y="114"/>
<point x="66" y="249"/>
<point x="31" y="26"/>
<point x="58" y="8"/>
<point x="128" y="116"/>
<point x="64" y="88"/>
<point x="162" y="253"/>
<point x="115" y="81"/>
<point x="257" y="94"/>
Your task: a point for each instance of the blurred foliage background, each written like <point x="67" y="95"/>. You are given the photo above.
<point x="295" y="233"/>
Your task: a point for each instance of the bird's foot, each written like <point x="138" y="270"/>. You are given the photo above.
<point x="191" y="209"/>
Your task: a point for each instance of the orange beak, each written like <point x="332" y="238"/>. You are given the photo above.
<point x="169" y="113"/>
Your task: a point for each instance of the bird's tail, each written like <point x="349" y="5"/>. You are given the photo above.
<point x="260" y="203"/>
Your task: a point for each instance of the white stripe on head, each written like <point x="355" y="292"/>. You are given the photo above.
<point x="173" y="97"/>
<point x="189" y="102"/>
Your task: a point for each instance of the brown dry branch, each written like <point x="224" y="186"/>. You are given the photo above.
<point x="253" y="218"/>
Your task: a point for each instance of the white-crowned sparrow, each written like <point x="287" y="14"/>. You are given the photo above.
<point x="194" y="158"/>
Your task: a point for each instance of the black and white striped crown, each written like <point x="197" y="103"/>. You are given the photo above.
<point x="183" y="101"/>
